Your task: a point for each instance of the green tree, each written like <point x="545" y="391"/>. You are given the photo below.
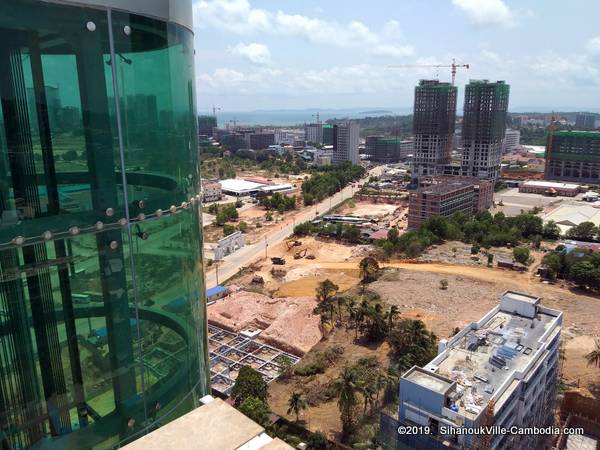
<point x="228" y="229"/>
<point x="249" y="383"/>
<point x="551" y="230"/>
<point x="242" y="226"/>
<point x="346" y="387"/>
<point x="582" y="273"/>
<point x="296" y="403"/>
<point x="326" y="289"/>
<point x="368" y="269"/>
<point x="256" y="410"/>
<point x="593" y="357"/>
<point x="553" y="262"/>
<point x="392" y="235"/>
<point x="521" y="255"/>
<point x="317" y="441"/>
<point x="585" y="231"/>
<point x="392" y="314"/>
<point x="412" y="337"/>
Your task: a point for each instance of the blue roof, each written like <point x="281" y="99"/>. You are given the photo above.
<point x="216" y="291"/>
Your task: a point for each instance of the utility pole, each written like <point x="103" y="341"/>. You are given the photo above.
<point x="217" y="271"/>
<point x="266" y="247"/>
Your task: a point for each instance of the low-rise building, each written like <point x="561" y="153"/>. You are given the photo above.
<point x="550" y="188"/>
<point x="569" y="216"/>
<point x="442" y="199"/>
<point x="499" y="371"/>
<point x="211" y="191"/>
<point x="242" y="188"/>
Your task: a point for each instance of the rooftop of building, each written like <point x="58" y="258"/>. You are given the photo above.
<point x="577" y="133"/>
<point x="551" y="184"/>
<point x="445" y="187"/>
<point x="570" y="215"/>
<point x="483" y="81"/>
<point x="465" y="371"/>
<point x="215" y="425"/>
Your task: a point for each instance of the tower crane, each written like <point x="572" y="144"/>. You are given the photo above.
<point x="317" y="117"/>
<point x="452" y="66"/>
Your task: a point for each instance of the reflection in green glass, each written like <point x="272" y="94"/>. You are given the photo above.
<point x="102" y="315"/>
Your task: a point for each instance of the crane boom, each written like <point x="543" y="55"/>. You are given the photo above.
<point x="452" y="66"/>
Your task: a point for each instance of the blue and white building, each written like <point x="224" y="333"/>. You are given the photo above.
<point x="500" y="371"/>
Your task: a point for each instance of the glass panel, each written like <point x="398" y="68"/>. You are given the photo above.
<point x="154" y="73"/>
<point x="101" y="296"/>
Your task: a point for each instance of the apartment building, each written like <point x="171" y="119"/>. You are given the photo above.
<point x="500" y="371"/>
<point x="345" y="143"/>
<point x="512" y="140"/>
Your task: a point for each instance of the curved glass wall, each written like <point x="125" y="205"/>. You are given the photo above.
<point x="102" y="312"/>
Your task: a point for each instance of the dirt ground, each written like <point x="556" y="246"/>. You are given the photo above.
<point x="326" y="416"/>
<point x="445" y="253"/>
<point x="367" y="209"/>
<point x="472" y="291"/>
<point x="303" y="275"/>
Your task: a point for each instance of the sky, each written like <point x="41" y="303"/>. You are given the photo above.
<point x="297" y="54"/>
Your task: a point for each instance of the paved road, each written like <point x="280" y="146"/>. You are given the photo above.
<point x="230" y="265"/>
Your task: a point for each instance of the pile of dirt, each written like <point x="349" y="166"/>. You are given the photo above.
<point x="287" y="323"/>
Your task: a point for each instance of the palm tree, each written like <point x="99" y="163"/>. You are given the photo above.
<point x="296" y="403"/>
<point x="347" y="386"/>
<point x="394" y="311"/>
<point x="340" y="301"/>
<point x="368" y="268"/>
<point x="593" y="357"/>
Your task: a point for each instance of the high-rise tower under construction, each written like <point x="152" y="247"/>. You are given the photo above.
<point x="433" y="125"/>
<point x="484" y="125"/>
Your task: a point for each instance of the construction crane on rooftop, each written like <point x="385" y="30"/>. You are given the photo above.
<point x="452" y="66"/>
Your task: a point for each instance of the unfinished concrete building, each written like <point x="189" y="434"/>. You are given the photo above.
<point x="444" y="199"/>
<point x="484" y="126"/>
<point x="433" y="125"/>
<point x="483" y="198"/>
<point x="574" y="156"/>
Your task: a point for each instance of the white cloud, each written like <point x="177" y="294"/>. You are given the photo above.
<point x="486" y="12"/>
<point x="567" y="71"/>
<point x="593" y="46"/>
<point x="354" y="79"/>
<point x="238" y="16"/>
<point x="256" y="53"/>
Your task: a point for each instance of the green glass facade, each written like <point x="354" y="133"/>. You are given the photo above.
<point x="102" y="311"/>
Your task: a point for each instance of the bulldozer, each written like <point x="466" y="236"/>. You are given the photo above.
<point x="278" y="261"/>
